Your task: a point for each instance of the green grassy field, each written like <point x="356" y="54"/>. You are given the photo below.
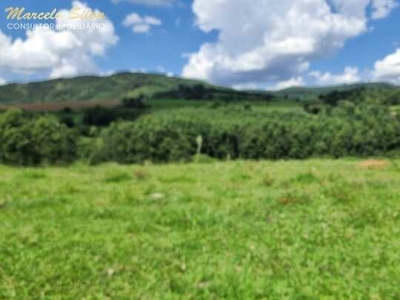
<point x="318" y="229"/>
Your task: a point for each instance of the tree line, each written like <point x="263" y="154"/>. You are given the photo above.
<point x="225" y="133"/>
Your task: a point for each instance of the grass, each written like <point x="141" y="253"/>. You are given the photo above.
<point x="317" y="229"/>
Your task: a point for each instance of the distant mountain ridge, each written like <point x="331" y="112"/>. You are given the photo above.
<point x="301" y="92"/>
<point x="87" y="88"/>
<point x="117" y="86"/>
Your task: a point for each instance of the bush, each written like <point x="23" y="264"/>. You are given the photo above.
<point x="34" y="141"/>
<point x="128" y="142"/>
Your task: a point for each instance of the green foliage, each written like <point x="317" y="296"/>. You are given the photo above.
<point x="306" y="93"/>
<point x="90" y="150"/>
<point x="117" y="86"/>
<point x="34" y="141"/>
<point x="333" y="98"/>
<point x="102" y="116"/>
<point x="149" y="140"/>
<point x="381" y="95"/>
<point x="229" y="133"/>
<point x="135" y="102"/>
<point x="197" y="91"/>
<point x="180" y="135"/>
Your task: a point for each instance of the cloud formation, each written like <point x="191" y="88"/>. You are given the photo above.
<point x="60" y="52"/>
<point x="388" y="69"/>
<point x="382" y="8"/>
<point x="271" y="41"/>
<point x="141" y="24"/>
<point x="350" y="75"/>
<point x="292" y="82"/>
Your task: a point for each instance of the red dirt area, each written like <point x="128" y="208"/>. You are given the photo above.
<point x="57" y="106"/>
<point x="373" y="164"/>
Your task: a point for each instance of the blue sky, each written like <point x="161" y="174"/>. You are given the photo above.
<point x="262" y="44"/>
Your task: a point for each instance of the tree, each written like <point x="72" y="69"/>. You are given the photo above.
<point x="34" y="141"/>
<point x="135" y="102"/>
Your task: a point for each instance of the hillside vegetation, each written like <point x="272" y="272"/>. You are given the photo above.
<point x="130" y="135"/>
<point x="199" y="120"/>
<point x="89" y="88"/>
<point x="316" y="229"/>
<point x="116" y="87"/>
<point x="313" y="92"/>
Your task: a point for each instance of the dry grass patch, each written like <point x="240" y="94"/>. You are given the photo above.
<point x="373" y="164"/>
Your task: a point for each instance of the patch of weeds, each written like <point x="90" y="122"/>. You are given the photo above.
<point x="342" y="192"/>
<point x="332" y="177"/>
<point x="378" y="184"/>
<point x="3" y="203"/>
<point x="117" y="177"/>
<point x="239" y="177"/>
<point x="40" y="203"/>
<point x="291" y="197"/>
<point x="140" y="174"/>
<point x="33" y="175"/>
<point x="364" y="217"/>
<point x="104" y="213"/>
<point x="394" y="165"/>
<point x="268" y="180"/>
<point x="179" y="179"/>
<point x="203" y="159"/>
<point x="305" y="178"/>
<point x="70" y="188"/>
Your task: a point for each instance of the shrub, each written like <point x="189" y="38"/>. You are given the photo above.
<point x="30" y="141"/>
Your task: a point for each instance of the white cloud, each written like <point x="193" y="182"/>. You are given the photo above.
<point x="382" y="8"/>
<point x="271" y="41"/>
<point x="162" y="70"/>
<point x="140" y="24"/>
<point x="108" y="73"/>
<point x="354" y="8"/>
<point x="349" y="76"/>
<point x="246" y="86"/>
<point x="292" y="82"/>
<point x="139" y="70"/>
<point x="149" y="2"/>
<point x="2" y="81"/>
<point x="388" y="69"/>
<point x="60" y="52"/>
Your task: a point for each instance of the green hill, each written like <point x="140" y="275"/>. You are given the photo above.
<point x="115" y="87"/>
<point x="91" y="88"/>
<point x="310" y="92"/>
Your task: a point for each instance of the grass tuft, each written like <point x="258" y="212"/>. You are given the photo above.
<point x="140" y="174"/>
<point x="117" y="177"/>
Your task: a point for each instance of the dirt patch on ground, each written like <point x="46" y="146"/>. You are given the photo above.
<point x="373" y="164"/>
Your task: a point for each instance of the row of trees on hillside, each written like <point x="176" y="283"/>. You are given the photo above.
<point x="346" y="130"/>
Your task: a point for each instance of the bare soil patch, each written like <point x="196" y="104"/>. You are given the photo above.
<point x="373" y="164"/>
